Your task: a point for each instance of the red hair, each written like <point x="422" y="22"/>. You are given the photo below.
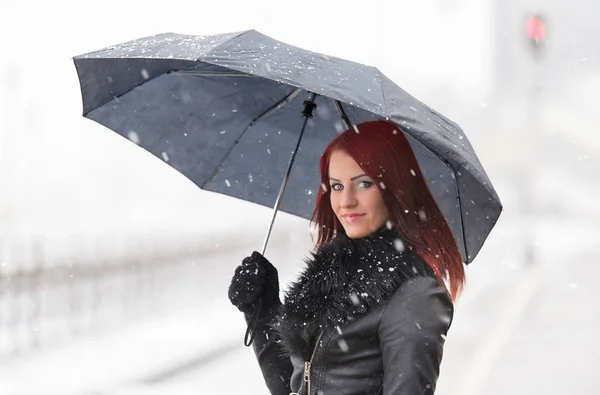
<point x="384" y="154"/>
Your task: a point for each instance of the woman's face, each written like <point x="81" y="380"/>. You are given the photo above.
<point x="355" y="199"/>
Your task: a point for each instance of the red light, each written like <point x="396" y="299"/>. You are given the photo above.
<point x="536" y="28"/>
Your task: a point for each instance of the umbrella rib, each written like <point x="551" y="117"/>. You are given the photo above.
<point x="265" y="114"/>
<point x="342" y="113"/>
<point x="462" y="221"/>
<point x="194" y="73"/>
<point x="458" y="199"/>
<point x="379" y="73"/>
<point x="274" y="108"/>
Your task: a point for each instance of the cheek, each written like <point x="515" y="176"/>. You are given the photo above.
<point x="379" y="206"/>
<point x="384" y="212"/>
<point x="332" y="201"/>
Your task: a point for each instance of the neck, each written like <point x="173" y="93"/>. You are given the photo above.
<point x="383" y="231"/>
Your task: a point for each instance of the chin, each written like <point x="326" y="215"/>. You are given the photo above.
<point x="357" y="233"/>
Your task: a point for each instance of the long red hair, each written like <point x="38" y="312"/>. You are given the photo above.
<point x="384" y="154"/>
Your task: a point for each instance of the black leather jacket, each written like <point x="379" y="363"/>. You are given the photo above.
<point x="394" y="346"/>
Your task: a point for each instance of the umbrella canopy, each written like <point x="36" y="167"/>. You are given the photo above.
<point x="225" y="111"/>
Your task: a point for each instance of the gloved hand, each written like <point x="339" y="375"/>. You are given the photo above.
<point x="256" y="278"/>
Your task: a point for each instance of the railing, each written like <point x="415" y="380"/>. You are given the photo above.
<point x="45" y="304"/>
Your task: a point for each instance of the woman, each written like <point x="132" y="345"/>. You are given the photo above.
<point x="370" y="312"/>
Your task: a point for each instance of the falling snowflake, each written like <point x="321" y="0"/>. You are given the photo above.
<point x="399" y="245"/>
<point x="343" y="345"/>
<point x="165" y="156"/>
<point x="339" y="127"/>
<point x="145" y="74"/>
<point x="133" y="137"/>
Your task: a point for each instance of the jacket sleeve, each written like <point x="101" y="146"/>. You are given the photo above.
<point x="412" y="333"/>
<point x="275" y="365"/>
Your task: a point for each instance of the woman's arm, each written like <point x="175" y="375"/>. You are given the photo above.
<point x="412" y="333"/>
<point x="275" y="365"/>
<point x="256" y="283"/>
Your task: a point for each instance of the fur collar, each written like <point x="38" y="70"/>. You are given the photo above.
<point x="343" y="280"/>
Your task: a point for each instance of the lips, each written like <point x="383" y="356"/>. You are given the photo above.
<point x="350" y="218"/>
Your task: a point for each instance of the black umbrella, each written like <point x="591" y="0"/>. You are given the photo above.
<point x="228" y="111"/>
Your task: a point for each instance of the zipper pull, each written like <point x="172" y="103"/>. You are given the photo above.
<point x="306" y="371"/>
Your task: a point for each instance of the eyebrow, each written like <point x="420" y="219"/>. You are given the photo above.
<point x="352" y="179"/>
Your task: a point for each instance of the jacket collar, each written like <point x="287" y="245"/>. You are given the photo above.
<point x="342" y="281"/>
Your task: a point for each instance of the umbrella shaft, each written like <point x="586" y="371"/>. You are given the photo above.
<point x="308" y="109"/>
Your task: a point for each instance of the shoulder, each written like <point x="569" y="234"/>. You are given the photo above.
<point x="420" y="304"/>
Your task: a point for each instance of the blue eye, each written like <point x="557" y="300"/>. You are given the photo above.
<point x="337" y="187"/>
<point x="365" y="184"/>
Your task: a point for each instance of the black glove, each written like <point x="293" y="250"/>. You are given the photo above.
<point x="255" y="279"/>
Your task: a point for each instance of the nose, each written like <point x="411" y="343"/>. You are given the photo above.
<point x="348" y="198"/>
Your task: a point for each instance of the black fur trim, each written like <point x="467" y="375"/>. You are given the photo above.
<point x="343" y="280"/>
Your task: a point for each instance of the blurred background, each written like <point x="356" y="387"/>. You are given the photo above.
<point x="114" y="267"/>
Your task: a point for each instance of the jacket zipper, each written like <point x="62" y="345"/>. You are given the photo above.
<point x="307" y="366"/>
